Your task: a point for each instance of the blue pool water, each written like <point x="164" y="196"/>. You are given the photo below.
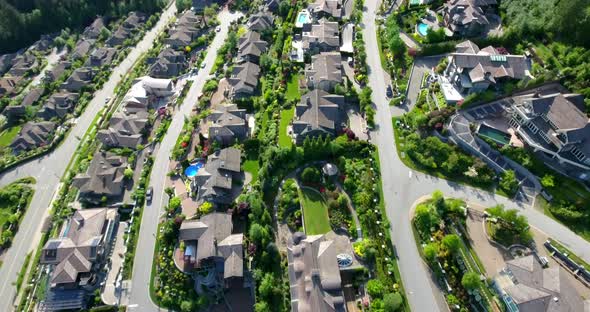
<point x="423" y="29"/>
<point x="303" y="18"/>
<point x="192" y="170"/>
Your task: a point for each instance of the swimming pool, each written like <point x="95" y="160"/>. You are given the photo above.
<point x="192" y="170"/>
<point x="302" y="18"/>
<point x="423" y="29"/>
<point x="496" y="135"/>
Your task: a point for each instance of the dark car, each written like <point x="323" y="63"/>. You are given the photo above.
<point x="389" y="91"/>
<point x="149" y="194"/>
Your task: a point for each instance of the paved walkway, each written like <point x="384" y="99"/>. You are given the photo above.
<point x="110" y="292"/>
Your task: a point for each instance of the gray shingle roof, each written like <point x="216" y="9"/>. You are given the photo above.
<point x="32" y="135"/>
<point x="324" y="34"/>
<point x="244" y="79"/>
<point x="104" y="176"/>
<point x="125" y="130"/>
<point x="327" y="7"/>
<point x="536" y="288"/>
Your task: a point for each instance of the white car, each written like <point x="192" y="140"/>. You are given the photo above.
<point x="218" y="29"/>
<point x="203" y="65"/>
<point x="108" y="99"/>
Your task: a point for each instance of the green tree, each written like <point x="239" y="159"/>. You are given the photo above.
<point x="259" y="234"/>
<point x="186" y="306"/>
<point x="548" y="181"/>
<point x="392" y="302"/>
<point x="375" y="288"/>
<point x="451" y="242"/>
<point x="430" y="252"/>
<point x="128" y="173"/>
<point x="471" y="280"/>
<point x="508" y="182"/>
<point x="206" y="208"/>
<point x="311" y="175"/>
<point x="174" y="204"/>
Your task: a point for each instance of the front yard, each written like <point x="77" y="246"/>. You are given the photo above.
<point x="8" y="135"/>
<point x="315" y="212"/>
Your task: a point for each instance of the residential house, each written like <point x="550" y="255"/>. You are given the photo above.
<point x="22" y="64"/>
<point x="200" y="5"/>
<point x="76" y="257"/>
<point x="315" y="271"/>
<point x="326" y="8"/>
<point x="42" y="45"/>
<point x="526" y="286"/>
<point x="325" y="71"/>
<point x="243" y="80"/>
<point x="321" y="37"/>
<point x="134" y="20"/>
<point x="104" y="178"/>
<point x="125" y="130"/>
<point x="214" y="181"/>
<point x="33" y="135"/>
<point x="6" y="61"/>
<point x="168" y="64"/>
<point x="272" y="5"/>
<point x="250" y="47"/>
<point x="187" y="29"/>
<point x="58" y="105"/>
<point x="261" y="21"/>
<point x="16" y="111"/>
<point x="101" y="57"/>
<point x="473" y="70"/>
<point x="119" y="37"/>
<point x="467" y="18"/>
<point x="209" y="241"/>
<point x="145" y="93"/>
<point x="79" y="79"/>
<point x="9" y="84"/>
<point x="93" y="30"/>
<point x="227" y="124"/>
<point x="55" y="73"/>
<point x="82" y="48"/>
<point x="318" y="114"/>
<point x="556" y="126"/>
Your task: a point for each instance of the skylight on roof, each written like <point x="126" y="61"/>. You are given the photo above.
<point x="498" y="58"/>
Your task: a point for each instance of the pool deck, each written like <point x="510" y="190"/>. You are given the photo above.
<point x="303" y="20"/>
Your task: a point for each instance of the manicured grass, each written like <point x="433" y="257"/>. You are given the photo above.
<point x="315" y="212"/>
<point x="286" y="116"/>
<point x="293" y="88"/>
<point x="8" y="135"/>
<point x="251" y="166"/>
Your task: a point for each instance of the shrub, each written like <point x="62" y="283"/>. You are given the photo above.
<point x="471" y="281"/>
<point x="375" y="288"/>
<point x="311" y="175"/>
<point x="392" y="302"/>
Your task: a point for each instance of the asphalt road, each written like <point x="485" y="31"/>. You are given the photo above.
<point x="140" y="299"/>
<point x="49" y="169"/>
<point x="402" y="187"/>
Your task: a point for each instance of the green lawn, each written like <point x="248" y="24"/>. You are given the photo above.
<point x="286" y="116"/>
<point x="8" y="135"/>
<point x="315" y="212"/>
<point x="293" y="88"/>
<point x="251" y="166"/>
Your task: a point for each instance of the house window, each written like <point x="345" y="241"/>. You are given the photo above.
<point x="93" y="252"/>
<point x="50" y="253"/>
<point x="579" y="155"/>
<point x="533" y="128"/>
<point x="552" y="124"/>
<point x="544" y="116"/>
<point x="544" y="136"/>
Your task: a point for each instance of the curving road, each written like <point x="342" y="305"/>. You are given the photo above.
<point x="402" y="187"/>
<point x="140" y="286"/>
<point x="49" y="169"/>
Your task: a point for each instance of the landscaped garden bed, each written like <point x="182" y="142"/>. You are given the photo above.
<point x="439" y="226"/>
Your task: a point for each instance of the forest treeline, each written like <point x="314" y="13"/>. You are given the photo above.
<point x="22" y="22"/>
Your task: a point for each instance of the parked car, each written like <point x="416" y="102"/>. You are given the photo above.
<point x="218" y="29"/>
<point x="203" y="65"/>
<point x="149" y="194"/>
<point x="389" y="91"/>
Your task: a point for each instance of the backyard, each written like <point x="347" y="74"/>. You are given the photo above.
<point x="315" y="212"/>
<point x="8" y="135"/>
<point x="286" y="116"/>
<point x="293" y="88"/>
